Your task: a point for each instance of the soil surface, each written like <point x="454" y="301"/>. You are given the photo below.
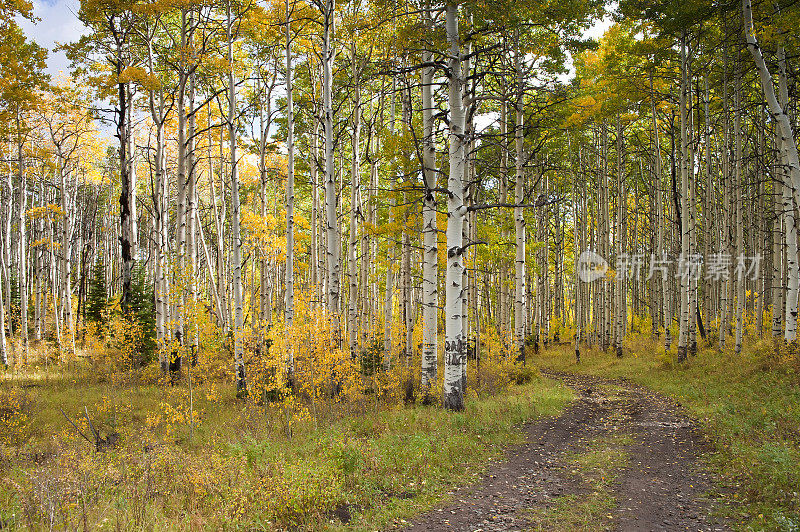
<point x="659" y="486"/>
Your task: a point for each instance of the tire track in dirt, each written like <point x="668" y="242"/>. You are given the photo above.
<point x="659" y="487"/>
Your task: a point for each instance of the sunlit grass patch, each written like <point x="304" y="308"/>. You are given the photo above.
<point x="237" y="468"/>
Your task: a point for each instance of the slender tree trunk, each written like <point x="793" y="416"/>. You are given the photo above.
<point x="520" y="274"/>
<point x="66" y="241"/>
<point x="22" y="243"/>
<point x="788" y="148"/>
<point x="619" y="326"/>
<point x="430" y="235"/>
<point x="331" y="230"/>
<point x="454" y="349"/>
<point x="738" y="180"/>
<point x="683" y="331"/>
<point x="289" y="311"/>
<point x="355" y="214"/>
<point x="3" y="345"/>
<point x="236" y="259"/>
<point x="388" y="309"/>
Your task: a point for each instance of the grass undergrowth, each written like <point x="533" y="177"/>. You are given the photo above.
<point x="748" y="403"/>
<point x="240" y="470"/>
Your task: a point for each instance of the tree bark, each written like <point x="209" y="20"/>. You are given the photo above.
<point x="454" y="349"/>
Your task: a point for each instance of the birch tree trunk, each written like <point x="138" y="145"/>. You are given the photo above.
<point x="683" y="330"/>
<point x="520" y="274"/>
<point x="3" y="346"/>
<point x="454" y="349"/>
<point x="737" y="179"/>
<point x="192" y="221"/>
<point x="22" y="242"/>
<point x="355" y="214"/>
<point x="660" y="222"/>
<point x="7" y="245"/>
<point x="577" y="209"/>
<point x="316" y="278"/>
<point x="788" y="148"/>
<point x="66" y="249"/>
<point x="430" y="235"/>
<point x="331" y="230"/>
<point x="619" y="324"/>
<point x="160" y="185"/>
<point x="236" y="259"/>
<point x="388" y="308"/>
<point x="289" y="310"/>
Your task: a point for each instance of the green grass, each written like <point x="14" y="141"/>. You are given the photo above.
<point x="603" y="458"/>
<point x="240" y="470"/>
<point x="748" y="404"/>
<point x="576" y="513"/>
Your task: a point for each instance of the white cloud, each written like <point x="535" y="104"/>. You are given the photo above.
<point x="598" y="28"/>
<point x="58" y="24"/>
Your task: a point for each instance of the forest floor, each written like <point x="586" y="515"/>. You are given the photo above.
<point x="621" y="457"/>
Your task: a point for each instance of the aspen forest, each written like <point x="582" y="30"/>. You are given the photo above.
<point x="399" y="264"/>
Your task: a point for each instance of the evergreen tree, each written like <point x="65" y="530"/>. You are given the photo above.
<point x="141" y="311"/>
<point x="98" y="295"/>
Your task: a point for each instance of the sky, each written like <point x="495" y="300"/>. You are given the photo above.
<point x="59" y="24"/>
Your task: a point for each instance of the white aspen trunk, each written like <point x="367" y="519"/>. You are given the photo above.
<point x="39" y="268"/>
<point x="430" y="236"/>
<point x="316" y="281"/>
<point x="792" y="265"/>
<point x="692" y="177"/>
<point x="221" y="279"/>
<point x="619" y="325"/>
<point x="454" y="349"/>
<point x="161" y="213"/>
<point x="54" y="285"/>
<point x="724" y="210"/>
<point x="606" y="304"/>
<point x="211" y="273"/>
<point x="192" y="221"/>
<point x="66" y="249"/>
<point x="502" y="289"/>
<point x="709" y="203"/>
<point x="22" y="243"/>
<point x="520" y="273"/>
<point x="388" y="343"/>
<point x="740" y="280"/>
<point x="7" y="245"/>
<point x="469" y="191"/>
<point x="369" y="245"/>
<point x="788" y="147"/>
<point x="262" y="169"/>
<point x="408" y="318"/>
<point x="236" y="258"/>
<point x="176" y="357"/>
<point x="366" y="327"/>
<point x="289" y="310"/>
<point x="577" y="229"/>
<point x="162" y="273"/>
<point x="355" y="214"/>
<point x="405" y="257"/>
<point x="3" y="346"/>
<point x="777" y="254"/>
<point x="333" y="250"/>
<point x="660" y="221"/>
<point x="683" y="330"/>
